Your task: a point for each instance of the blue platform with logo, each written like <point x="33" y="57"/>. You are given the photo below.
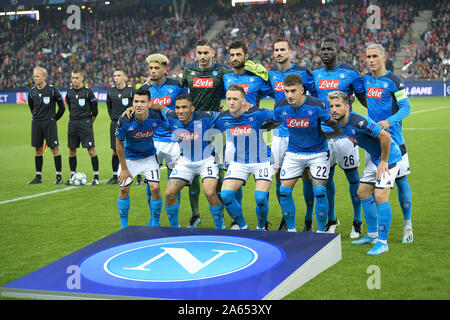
<point x="179" y="263"/>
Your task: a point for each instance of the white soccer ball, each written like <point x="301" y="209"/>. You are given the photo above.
<point x="79" y="179"/>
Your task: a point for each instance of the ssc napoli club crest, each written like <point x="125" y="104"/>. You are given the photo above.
<point x="185" y="264"/>
<point x="184" y="261"/>
<point x="215" y="73"/>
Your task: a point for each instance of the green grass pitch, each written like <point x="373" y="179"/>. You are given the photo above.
<point x="36" y="231"/>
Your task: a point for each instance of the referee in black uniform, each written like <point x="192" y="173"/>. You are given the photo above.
<point x="42" y="100"/>
<point x="83" y="110"/>
<point x="119" y="98"/>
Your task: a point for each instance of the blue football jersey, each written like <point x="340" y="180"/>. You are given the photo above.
<point x="387" y="100"/>
<point x="194" y="137"/>
<point x="276" y="78"/>
<point x="247" y="134"/>
<point x="363" y="132"/>
<point x="138" y="136"/>
<point x="304" y="124"/>
<point x="165" y="94"/>
<point x="255" y="88"/>
<point x="343" y="77"/>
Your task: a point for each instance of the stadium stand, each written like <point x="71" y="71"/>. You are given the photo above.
<point x="430" y="58"/>
<point x="304" y="26"/>
<point x="105" y="39"/>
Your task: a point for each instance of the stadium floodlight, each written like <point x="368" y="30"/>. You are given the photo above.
<point x="233" y="2"/>
<point x="19" y="13"/>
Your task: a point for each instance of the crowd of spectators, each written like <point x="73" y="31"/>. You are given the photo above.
<point x="125" y="37"/>
<point x="106" y="39"/>
<point x="307" y="25"/>
<point x="430" y="58"/>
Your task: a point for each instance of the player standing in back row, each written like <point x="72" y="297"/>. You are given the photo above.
<point x="388" y="104"/>
<point x="204" y="80"/>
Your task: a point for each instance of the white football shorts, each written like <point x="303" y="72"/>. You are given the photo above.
<point x="279" y="147"/>
<point x="344" y="152"/>
<point x="404" y="163"/>
<point x="167" y="151"/>
<point x="186" y="170"/>
<point x="369" y="175"/>
<point x="241" y="171"/>
<point x="295" y="163"/>
<point x="148" y="167"/>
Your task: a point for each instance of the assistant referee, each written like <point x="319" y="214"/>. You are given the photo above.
<point x="83" y="108"/>
<point x="42" y="100"/>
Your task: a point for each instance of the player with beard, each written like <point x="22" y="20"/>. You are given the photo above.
<point x="382" y="166"/>
<point x="204" y="80"/>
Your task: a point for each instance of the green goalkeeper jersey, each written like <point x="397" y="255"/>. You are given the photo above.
<point x="206" y="87"/>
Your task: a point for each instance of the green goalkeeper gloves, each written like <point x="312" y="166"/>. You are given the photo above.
<point x="257" y="69"/>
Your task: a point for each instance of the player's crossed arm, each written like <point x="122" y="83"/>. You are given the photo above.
<point x="333" y="124"/>
<point x="385" y="144"/>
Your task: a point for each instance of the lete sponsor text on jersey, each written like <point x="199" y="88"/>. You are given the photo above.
<point x="241" y="130"/>
<point x="329" y="84"/>
<point x="203" y="83"/>
<point x="374" y="92"/>
<point x="187" y="136"/>
<point x="143" y="134"/>
<point x="297" y="123"/>
<point x="165" y="101"/>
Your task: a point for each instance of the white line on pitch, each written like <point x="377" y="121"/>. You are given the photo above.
<point x="437" y="128"/>
<point x="49" y="192"/>
<point x="430" y="109"/>
<point x="37" y="195"/>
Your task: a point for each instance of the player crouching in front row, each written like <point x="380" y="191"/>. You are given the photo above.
<point x="382" y="156"/>
<point x="192" y="130"/>
<point x="137" y="155"/>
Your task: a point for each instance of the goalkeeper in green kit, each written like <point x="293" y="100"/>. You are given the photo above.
<point x="206" y="87"/>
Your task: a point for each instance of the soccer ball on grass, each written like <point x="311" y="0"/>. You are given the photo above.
<point x="79" y="179"/>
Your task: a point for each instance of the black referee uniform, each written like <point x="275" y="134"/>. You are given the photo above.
<point x="42" y="103"/>
<point x="117" y="102"/>
<point x="83" y="108"/>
